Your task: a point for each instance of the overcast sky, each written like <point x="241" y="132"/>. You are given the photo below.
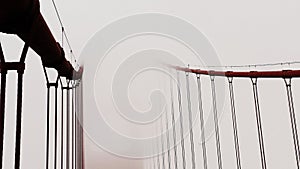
<point x="242" y="32"/>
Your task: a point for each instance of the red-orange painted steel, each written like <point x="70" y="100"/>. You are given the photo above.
<point x="245" y="74"/>
<point x="23" y="18"/>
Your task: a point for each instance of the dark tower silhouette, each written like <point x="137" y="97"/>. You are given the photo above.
<point x="24" y="19"/>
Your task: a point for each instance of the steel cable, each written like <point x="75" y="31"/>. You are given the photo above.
<point x="288" y="83"/>
<point x="259" y="125"/>
<point x="203" y="142"/>
<point x="181" y="122"/>
<point x="234" y="123"/>
<point x="216" y="121"/>
<point x="190" y="122"/>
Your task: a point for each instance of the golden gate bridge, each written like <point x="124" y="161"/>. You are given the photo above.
<point x="181" y="91"/>
<point x="24" y="19"/>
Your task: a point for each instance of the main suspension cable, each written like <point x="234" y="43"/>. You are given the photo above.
<point x="64" y="34"/>
<point x="203" y="142"/>
<point x="252" y="65"/>
<point x="259" y="126"/>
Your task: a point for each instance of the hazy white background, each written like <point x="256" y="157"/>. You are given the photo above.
<point x="243" y="32"/>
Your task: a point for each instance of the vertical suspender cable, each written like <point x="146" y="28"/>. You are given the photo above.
<point x="202" y="123"/>
<point x="19" y="121"/>
<point x="168" y="140"/>
<point x="288" y="83"/>
<point x="68" y="128"/>
<point x="73" y="126"/>
<point x="2" y="105"/>
<point x="62" y="126"/>
<point x="149" y="162"/>
<point x="67" y="89"/>
<point x="145" y="164"/>
<point x="173" y="125"/>
<point x="79" y="151"/>
<point x="48" y="127"/>
<point x="48" y="121"/>
<point x="19" y="107"/>
<point x="78" y="132"/>
<point x="152" y="163"/>
<point x="234" y="123"/>
<point x="162" y="144"/>
<point x="216" y="121"/>
<point x="62" y="105"/>
<point x="80" y="119"/>
<point x="153" y="160"/>
<point x="190" y="121"/>
<point x="49" y="85"/>
<point x="181" y="122"/>
<point x="81" y="129"/>
<point x="55" y="127"/>
<point x="157" y="160"/>
<point x="259" y="126"/>
<point x="76" y="123"/>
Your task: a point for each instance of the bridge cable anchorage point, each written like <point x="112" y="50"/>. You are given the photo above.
<point x="230" y="79"/>
<point x="212" y="77"/>
<point x="254" y="80"/>
<point x="187" y="70"/>
<point x="288" y="82"/>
